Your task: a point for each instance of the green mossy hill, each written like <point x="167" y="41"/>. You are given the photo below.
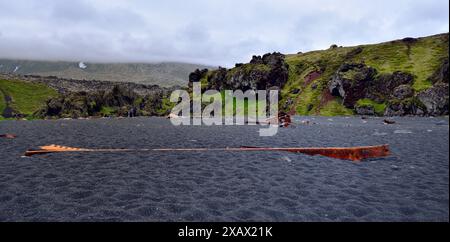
<point x="20" y="99"/>
<point x="118" y="101"/>
<point x="362" y="79"/>
<point x="343" y="80"/>
<point x="307" y="88"/>
<point x="30" y="100"/>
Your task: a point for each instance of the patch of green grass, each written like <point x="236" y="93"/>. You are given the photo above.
<point x="27" y="97"/>
<point x="239" y="107"/>
<point x="107" y="111"/>
<point x="420" y="58"/>
<point x="166" y="106"/>
<point x="247" y="68"/>
<point x="379" y="108"/>
<point x="2" y="103"/>
<point x="335" y="108"/>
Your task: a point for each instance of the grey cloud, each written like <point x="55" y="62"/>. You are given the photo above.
<point x="209" y="32"/>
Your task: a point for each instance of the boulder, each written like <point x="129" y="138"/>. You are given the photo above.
<point x="218" y="79"/>
<point x="351" y="82"/>
<point x="261" y="73"/>
<point x="408" y="106"/>
<point x="384" y="85"/>
<point x="365" y="110"/>
<point x="333" y="46"/>
<point x="402" y="92"/>
<point x="295" y="91"/>
<point x="256" y="59"/>
<point x="197" y="75"/>
<point x="435" y="99"/>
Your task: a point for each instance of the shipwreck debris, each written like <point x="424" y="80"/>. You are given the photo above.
<point x="8" y="136"/>
<point x="388" y="121"/>
<point x="344" y="153"/>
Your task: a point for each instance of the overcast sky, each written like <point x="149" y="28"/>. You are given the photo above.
<point x="209" y="32"/>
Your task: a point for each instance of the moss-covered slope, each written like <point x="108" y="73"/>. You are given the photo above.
<point x="22" y="99"/>
<point x="306" y="90"/>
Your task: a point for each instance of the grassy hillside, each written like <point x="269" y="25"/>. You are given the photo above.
<point x="419" y="57"/>
<point x="2" y="103"/>
<point x="25" y="98"/>
<point x="163" y="74"/>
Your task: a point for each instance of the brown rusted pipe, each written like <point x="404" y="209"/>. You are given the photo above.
<point x="345" y="153"/>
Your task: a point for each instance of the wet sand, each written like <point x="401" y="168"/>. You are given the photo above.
<point x="410" y="185"/>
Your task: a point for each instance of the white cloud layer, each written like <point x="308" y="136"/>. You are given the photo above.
<point x="219" y="32"/>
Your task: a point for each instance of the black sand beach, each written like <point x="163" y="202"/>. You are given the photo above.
<point x="410" y="185"/>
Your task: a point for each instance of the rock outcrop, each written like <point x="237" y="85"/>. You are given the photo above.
<point x="118" y="101"/>
<point x="263" y="72"/>
<point x="351" y="82"/>
<point x="441" y="74"/>
<point x="365" y="110"/>
<point x="435" y="99"/>
<point x="383" y="86"/>
<point x="407" y="106"/>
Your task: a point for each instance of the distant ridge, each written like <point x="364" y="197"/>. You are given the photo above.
<point x="163" y="74"/>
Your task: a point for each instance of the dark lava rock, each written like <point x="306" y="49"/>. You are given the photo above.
<point x="119" y="100"/>
<point x="388" y="121"/>
<point x="408" y="106"/>
<point x="402" y="92"/>
<point x="383" y="86"/>
<point x="256" y="59"/>
<point x="354" y="52"/>
<point x="295" y="91"/>
<point x="356" y="81"/>
<point x="119" y="96"/>
<point x="217" y="79"/>
<point x="351" y="82"/>
<point x="409" y="40"/>
<point x="365" y="110"/>
<point x="435" y="99"/>
<point x="197" y="75"/>
<point x="441" y="74"/>
<point x="261" y="73"/>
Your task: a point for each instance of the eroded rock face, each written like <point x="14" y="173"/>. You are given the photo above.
<point x="264" y="72"/>
<point x="351" y="82"/>
<point x="384" y="85"/>
<point x="365" y="110"/>
<point x="435" y="99"/>
<point x="402" y="92"/>
<point x="119" y="100"/>
<point x="441" y="74"/>
<point x="218" y="79"/>
<point x="408" y="106"/>
<point x="197" y="75"/>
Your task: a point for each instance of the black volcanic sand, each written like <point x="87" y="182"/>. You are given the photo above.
<point x="410" y="185"/>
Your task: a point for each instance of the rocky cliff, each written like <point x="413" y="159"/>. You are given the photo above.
<point x="71" y="98"/>
<point x="396" y="78"/>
